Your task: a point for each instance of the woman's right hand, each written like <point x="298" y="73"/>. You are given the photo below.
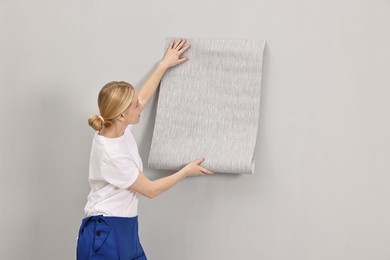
<point x="193" y="169"/>
<point x="172" y="54"/>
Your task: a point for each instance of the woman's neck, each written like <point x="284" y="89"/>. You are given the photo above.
<point x="112" y="131"/>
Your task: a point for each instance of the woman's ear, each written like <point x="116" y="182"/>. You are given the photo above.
<point x="121" y="117"/>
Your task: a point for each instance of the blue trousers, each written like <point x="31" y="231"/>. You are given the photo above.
<point x="109" y="238"/>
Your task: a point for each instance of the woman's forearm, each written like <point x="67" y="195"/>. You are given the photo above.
<point x="165" y="183"/>
<point x="171" y="59"/>
<point x="151" y="189"/>
<point x="149" y="87"/>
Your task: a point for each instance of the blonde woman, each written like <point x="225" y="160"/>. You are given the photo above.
<point x="109" y="229"/>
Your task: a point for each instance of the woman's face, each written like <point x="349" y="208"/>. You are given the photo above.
<point x="133" y="112"/>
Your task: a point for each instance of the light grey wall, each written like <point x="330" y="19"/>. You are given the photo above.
<point x="321" y="185"/>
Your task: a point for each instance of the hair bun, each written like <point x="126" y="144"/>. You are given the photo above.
<point x="96" y="122"/>
<point x="101" y="118"/>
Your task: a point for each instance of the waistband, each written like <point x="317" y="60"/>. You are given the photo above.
<point x="110" y="217"/>
<point x="113" y="221"/>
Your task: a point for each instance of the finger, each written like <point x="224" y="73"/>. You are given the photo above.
<point x="177" y="43"/>
<point x="206" y="170"/>
<point x="171" y="44"/>
<point x="199" y="160"/>
<point x="181" y="44"/>
<point x="183" y="60"/>
<point x="184" y="49"/>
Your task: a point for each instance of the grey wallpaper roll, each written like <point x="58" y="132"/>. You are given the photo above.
<point x="209" y="106"/>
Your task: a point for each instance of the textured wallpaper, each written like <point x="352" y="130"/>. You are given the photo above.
<point x="209" y="106"/>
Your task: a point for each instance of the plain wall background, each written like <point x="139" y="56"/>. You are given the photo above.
<point x="321" y="184"/>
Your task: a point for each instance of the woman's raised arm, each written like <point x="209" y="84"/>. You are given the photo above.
<point x="171" y="59"/>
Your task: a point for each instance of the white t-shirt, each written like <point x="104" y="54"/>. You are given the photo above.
<point x="114" y="166"/>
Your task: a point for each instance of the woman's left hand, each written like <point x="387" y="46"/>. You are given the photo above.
<point x="172" y="55"/>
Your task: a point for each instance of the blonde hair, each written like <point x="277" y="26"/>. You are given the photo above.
<point x="114" y="98"/>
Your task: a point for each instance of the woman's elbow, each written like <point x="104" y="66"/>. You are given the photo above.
<point x="146" y="193"/>
<point x="151" y="195"/>
<point x="145" y="187"/>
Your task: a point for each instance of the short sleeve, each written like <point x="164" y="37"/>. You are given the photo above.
<point x="120" y="171"/>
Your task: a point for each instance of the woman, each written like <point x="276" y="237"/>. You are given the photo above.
<point x="110" y="228"/>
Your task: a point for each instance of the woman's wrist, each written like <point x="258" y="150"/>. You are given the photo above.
<point x="182" y="173"/>
<point x="163" y="65"/>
